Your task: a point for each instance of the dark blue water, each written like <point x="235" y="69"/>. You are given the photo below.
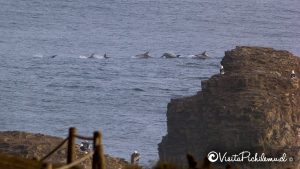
<point x="124" y="97"/>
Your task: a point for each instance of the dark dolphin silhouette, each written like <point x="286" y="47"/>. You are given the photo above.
<point x="92" y="56"/>
<point x="105" y="56"/>
<point x="203" y="55"/>
<point x="144" y="55"/>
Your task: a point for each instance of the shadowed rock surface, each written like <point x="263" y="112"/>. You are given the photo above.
<point x="36" y="146"/>
<point x="254" y="106"/>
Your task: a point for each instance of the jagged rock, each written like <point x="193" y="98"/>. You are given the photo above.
<point x="254" y="106"/>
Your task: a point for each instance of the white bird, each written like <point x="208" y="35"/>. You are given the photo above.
<point x="293" y="74"/>
<point x="222" y="70"/>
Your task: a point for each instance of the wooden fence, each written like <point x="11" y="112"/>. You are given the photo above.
<point x="98" y="161"/>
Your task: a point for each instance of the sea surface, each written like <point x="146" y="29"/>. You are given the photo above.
<point x="124" y="97"/>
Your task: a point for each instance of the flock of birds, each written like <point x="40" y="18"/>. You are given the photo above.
<point x="146" y="55"/>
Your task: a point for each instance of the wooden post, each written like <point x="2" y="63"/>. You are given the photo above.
<point x="71" y="145"/>
<point x="96" y="142"/>
<point x="98" y="157"/>
<point x="47" y="166"/>
<point x="97" y="137"/>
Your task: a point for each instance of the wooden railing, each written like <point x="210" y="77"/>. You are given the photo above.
<point x="98" y="161"/>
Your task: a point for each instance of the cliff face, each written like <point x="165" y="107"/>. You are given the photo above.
<point x="254" y="106"/>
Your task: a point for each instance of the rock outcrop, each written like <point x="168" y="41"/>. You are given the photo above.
<point x="36" y="146"/>
<point x="254" y="106"/>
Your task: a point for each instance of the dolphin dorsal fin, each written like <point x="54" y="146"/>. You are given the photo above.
<point x="92" y="55"/>
<point x="105" y="55"/>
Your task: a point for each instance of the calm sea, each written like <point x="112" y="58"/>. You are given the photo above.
<point x="124" y="97"/>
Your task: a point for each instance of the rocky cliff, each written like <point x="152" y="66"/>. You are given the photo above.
<point x="254" y="106"/>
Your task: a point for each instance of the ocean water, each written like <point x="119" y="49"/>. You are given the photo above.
<point x="124" y="97"/>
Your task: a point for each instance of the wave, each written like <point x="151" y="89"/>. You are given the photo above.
<point x="38" y="55"/>
<point x="83" y="57"/>
<point x="99" y="57"/>
<point x="190" y="56"/>
<point x="94" y="57"/>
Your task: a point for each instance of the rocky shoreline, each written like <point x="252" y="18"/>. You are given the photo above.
<point x="36" y="146"/>
<point x="254" y="106"/>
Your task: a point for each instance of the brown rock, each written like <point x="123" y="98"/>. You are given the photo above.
<point x="254" y="106"/>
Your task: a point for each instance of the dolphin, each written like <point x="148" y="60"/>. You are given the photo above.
<point x="203" y="55"/>
<point x="92" y="56"/>
<point x="170" y="55"/>
<point x="144" y="55"/>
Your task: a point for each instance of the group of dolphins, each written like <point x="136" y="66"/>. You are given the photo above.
<point x="202" y="55"/>
<point x="146" y="55"/>
<point x="92" y="56"/>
